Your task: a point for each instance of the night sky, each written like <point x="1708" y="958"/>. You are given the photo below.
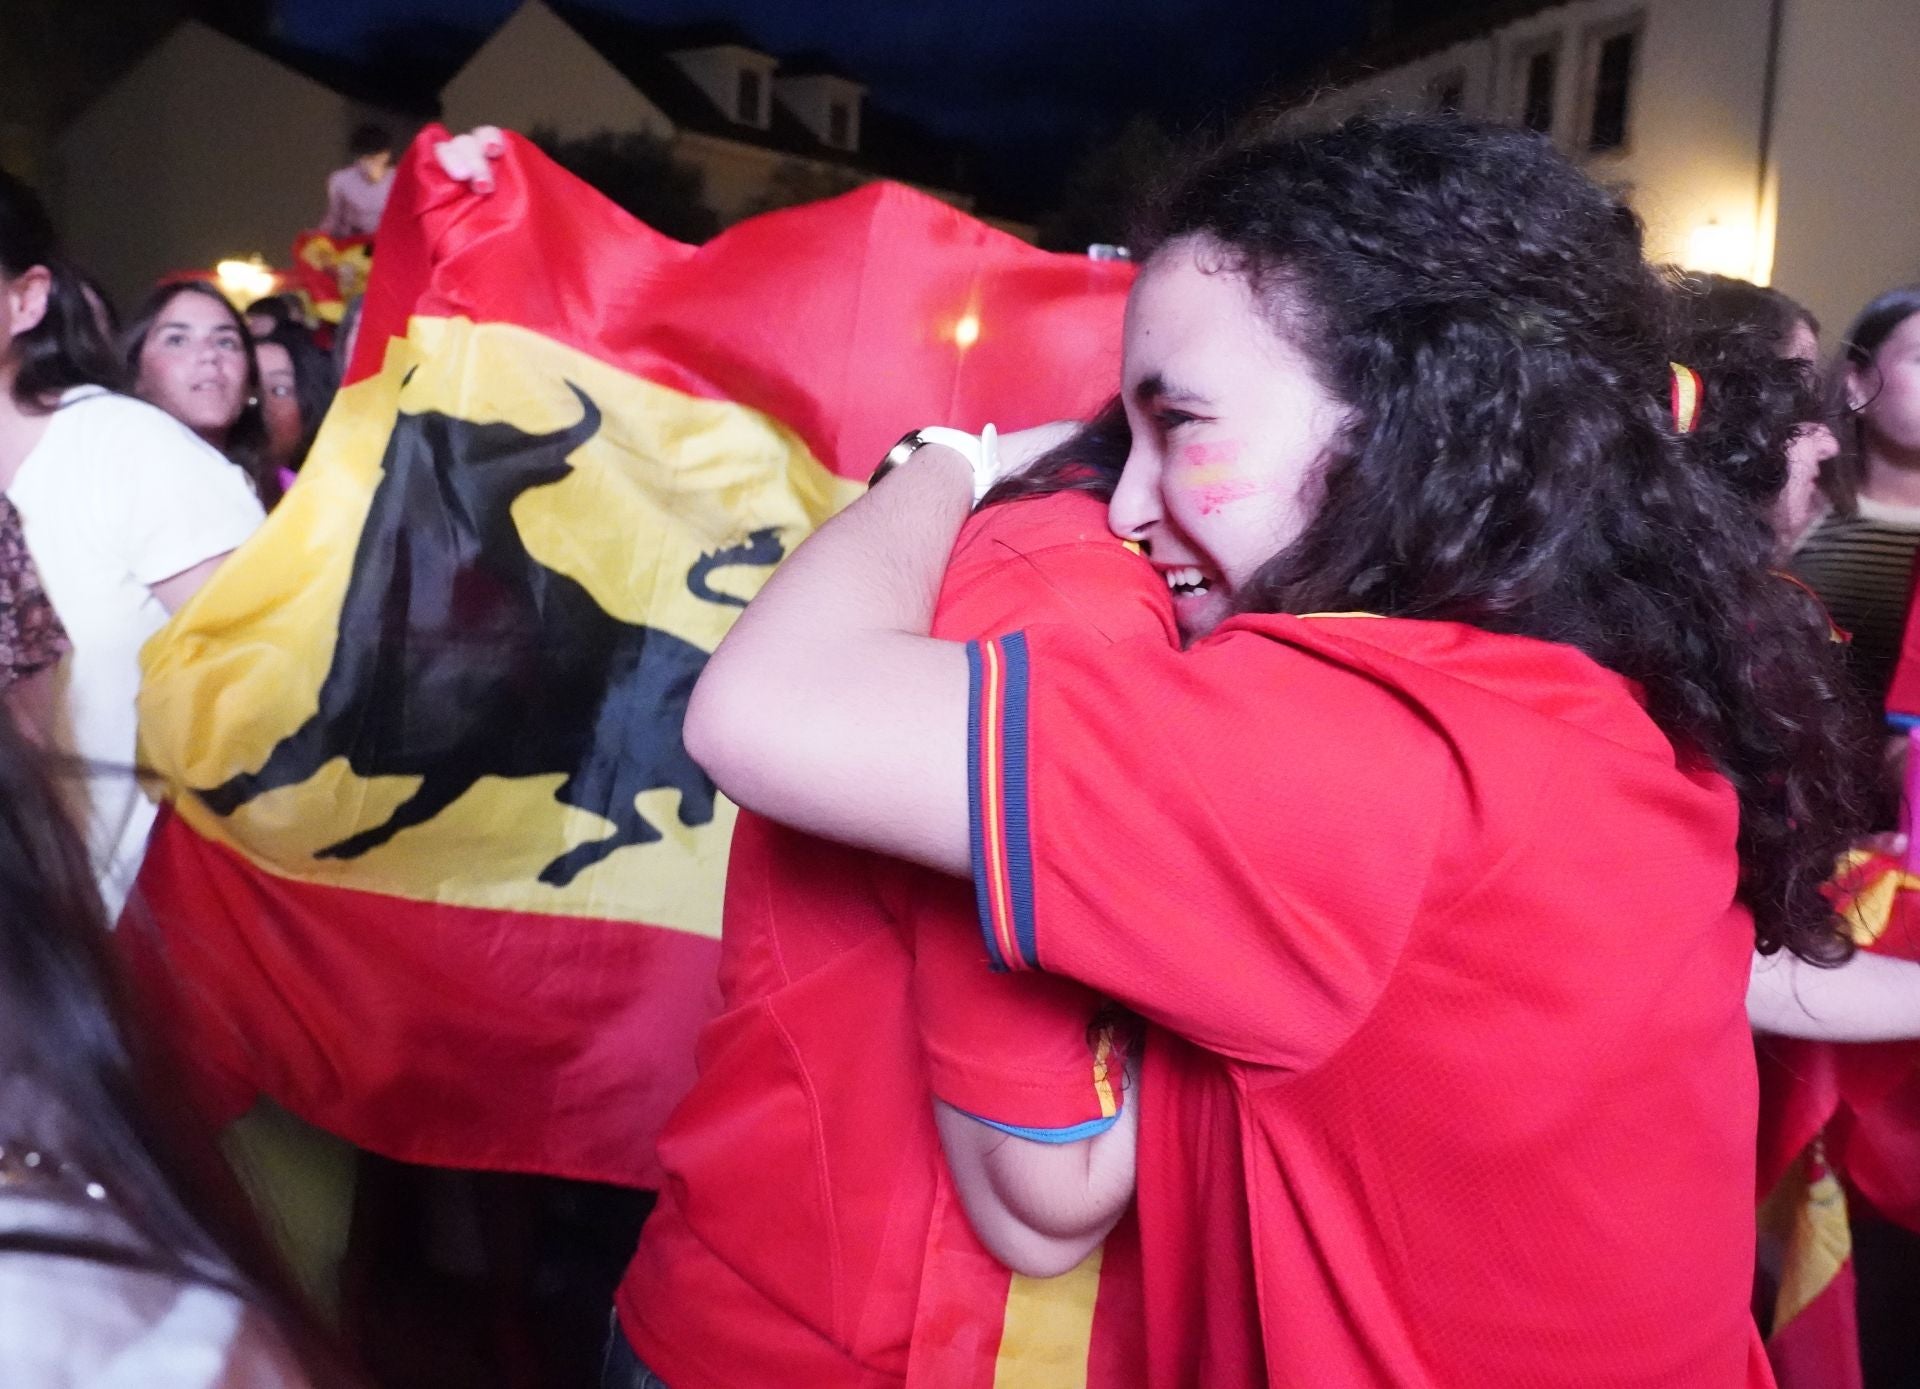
<point x="1037" y="81"/>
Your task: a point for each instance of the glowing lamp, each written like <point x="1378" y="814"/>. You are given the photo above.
<point x="967" y="331"/>
<point x="244" y="281"/>
<point x="1718" y="249"/>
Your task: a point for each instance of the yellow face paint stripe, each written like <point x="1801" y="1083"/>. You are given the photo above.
<point x="1048" y="1331"/>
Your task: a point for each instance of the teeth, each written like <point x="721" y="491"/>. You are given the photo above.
<point x="1188" y="580"/>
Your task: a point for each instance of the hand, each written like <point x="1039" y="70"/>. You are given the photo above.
<point x="469" y="158"/>
<point x="1016" y="452"/>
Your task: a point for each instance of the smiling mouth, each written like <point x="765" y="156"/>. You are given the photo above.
<point x="1186" y="582"/>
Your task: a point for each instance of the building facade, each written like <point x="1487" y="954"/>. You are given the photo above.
<point x="1767" y="139"/>
<point x="206" y="150"/>
<point x="211" y="148"/>
<point x="743" y="117"/>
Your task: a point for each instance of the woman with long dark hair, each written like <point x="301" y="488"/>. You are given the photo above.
<point x="125" y="512"/>
<point x="1438" y="858"/>
<point x="296" y="386"/>
<point x="188" y="351"/>
<point x="1859" y="557"/>
<point x="123" y="1243"/>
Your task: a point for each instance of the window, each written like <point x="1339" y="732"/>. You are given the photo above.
<point x="749" y="97"/>
<point x="1450" y="93"/>
<point x="1538" y="75"/>
<point x="839" y="126"/>
<point x="1612" y="90"/>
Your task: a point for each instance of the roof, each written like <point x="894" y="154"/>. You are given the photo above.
<point x="891" y="145"/>
<point x="715" y="33"/>
<point x="406" y="81"/>
<point x="814" y="63"/>
<point x="1442" y="27"/>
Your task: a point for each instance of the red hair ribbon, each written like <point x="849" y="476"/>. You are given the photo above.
<point x="1685" y="392"/>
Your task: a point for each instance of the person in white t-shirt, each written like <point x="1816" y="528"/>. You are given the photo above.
<point x="126" y="513"/>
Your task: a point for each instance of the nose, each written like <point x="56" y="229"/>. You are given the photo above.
<point x="1135" y="507"/>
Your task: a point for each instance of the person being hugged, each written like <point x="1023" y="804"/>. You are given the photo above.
<point x="1437" y="859"/>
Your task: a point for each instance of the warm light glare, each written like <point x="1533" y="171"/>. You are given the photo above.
<point x="967" y="331"/>
<point x="244" y="281"/>
<point x="1718" y="248"/>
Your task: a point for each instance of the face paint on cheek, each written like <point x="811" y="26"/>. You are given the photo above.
<point x="1218" y="453"/>
<point x="1217" y="495"/>
<point x="1208" y="472"/>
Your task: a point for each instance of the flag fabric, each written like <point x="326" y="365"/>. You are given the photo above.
<point x="1838" y="1118"/>
<point x="437" y="874"/>
<point x="1813" y="1340"/>
<point x="330" y="271"/>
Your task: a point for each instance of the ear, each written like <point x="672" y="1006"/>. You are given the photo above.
<point x="1861" y="388"/>
<point x="27" y="298"/>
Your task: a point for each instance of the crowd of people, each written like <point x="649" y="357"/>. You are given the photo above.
<point x="1289" y="867"/>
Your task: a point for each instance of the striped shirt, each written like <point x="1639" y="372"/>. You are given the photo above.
<point x="1861" y="566"/>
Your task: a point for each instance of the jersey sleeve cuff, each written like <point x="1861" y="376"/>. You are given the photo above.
<point x="1093" y="1128"/>
<point x="997" y="805"/>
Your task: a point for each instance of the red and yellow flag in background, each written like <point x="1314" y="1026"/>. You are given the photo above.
<point x="438" y="875"/>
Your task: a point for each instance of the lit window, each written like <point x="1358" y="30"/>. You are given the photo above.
<point x="1613" y="90"/>
<point x="749" y="97"/>
<point x="839" y="125"/>
<point x="1539" y="75"/>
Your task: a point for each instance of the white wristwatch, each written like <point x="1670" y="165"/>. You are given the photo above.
<point x="978" y="449"/>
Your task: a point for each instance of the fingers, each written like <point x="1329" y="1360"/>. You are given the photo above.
<point x="468" y="158"/>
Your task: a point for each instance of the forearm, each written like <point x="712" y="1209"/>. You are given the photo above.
<point x="1040" y="1208"/>
<point x="827" y="707"/>
<point x="1871" y="998"/>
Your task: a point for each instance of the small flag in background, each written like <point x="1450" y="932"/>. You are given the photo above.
<point x="438" y="875"/>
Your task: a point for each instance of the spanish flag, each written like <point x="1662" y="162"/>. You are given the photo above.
<point x="1837" y="1122"/>
<point x="437" y="874"/>
<point x="330" y="271"/>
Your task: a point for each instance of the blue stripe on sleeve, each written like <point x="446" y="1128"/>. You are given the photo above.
<point x="1091" y="1129"/>
<point x="1014" y="797"/>
<point x="976" y="831"/>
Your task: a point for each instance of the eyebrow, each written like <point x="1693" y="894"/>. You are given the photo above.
<point x="1157" y="388"/>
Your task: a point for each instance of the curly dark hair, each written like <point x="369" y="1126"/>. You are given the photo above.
<point x="246" y="443"/>
<point x="1510" y="460"/>
<point x="1732" y="333"/>
<point x="1730" y="301"/>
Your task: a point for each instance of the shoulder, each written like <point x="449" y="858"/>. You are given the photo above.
<point x="140" y="438"/>
<point x="97" y="413"/>
<point x="1022" y="527"/>
<point x="1049" y="560"/>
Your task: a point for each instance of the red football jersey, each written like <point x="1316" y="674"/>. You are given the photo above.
<point x="808" y="1233"/>
<point x="1460" y="1090"/>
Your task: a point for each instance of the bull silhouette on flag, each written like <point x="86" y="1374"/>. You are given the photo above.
<point x="436" y="873"/>
<point x="521" y="673"/>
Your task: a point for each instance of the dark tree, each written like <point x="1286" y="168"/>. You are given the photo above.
<point x="1101" y="191"/>
<point x="796" y="181"/>
<point x="641" y="173"/>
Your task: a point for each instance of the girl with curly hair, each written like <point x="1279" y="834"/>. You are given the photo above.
<point x="1438" y="858"/>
